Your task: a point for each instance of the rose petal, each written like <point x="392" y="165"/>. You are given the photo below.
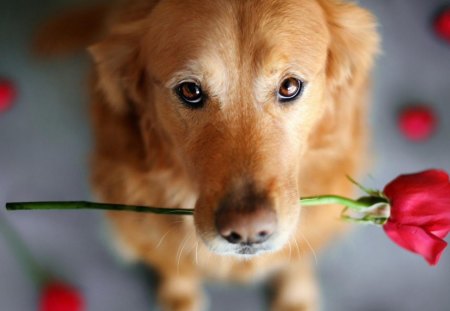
<point x="417" y="123"/>
<point x="417" y="240"/>
<point x="8" y="94"/>
<point x="442" y="24"/>
<point x="421" y="199"/>
<point x="57" y="296"/>
<point x="419" y="180"/>
<point x="439" y="233"/>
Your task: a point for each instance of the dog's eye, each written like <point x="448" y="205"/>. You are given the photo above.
<point x="290" y="88"/>
<point x="191" y="94"/>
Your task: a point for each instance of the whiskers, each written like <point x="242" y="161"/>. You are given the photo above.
<point x="191" y="247"/>
<point x="295" y="253"/>
<point x="204" y="252"/>
<point x="173" y="227"/>
<point x="196" y="253"/>
<point x="290" y="251"/>
<point x="181" y="249"/>
<point x="296" y="245"/>
<point x="309" y="246"/>
<point x="187" y="240"/>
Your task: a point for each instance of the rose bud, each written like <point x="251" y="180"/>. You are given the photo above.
<point x="420" y="213"/>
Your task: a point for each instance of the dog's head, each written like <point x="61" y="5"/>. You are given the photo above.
<point x="233" y="90"/>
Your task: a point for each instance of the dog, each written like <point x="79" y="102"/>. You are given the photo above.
<point x="235" y="109"/>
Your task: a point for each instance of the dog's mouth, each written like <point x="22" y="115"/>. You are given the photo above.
<point x="246" y="251"/>
<point x="243" y="250"/>
<point x="249" y="251"/>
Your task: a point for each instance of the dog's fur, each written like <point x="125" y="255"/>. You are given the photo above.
<point x="150" y="150"/>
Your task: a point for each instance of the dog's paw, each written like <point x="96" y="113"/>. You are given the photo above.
<point x="296" y="289"/>
<point x="306" y="306"/>
<point x="181" y="294"/>
<point x="182" y="303"/>
<point x="302" y="301"/>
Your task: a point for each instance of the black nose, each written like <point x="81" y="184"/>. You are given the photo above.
<point x="244" y="221"/>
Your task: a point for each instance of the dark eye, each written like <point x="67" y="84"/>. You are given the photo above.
<point x="191" y="94"/>
<point x="290" y="88"/>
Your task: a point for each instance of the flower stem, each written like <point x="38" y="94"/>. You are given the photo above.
<point x="78" y="205"/>
<point x="334" y="199"/>
<point x="21" y="251"/>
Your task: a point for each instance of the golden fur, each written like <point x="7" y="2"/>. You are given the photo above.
<point x="150" y="150"/>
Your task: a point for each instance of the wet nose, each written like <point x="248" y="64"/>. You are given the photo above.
<point x="246" y="225"/>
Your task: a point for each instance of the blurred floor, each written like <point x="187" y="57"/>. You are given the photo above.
<point x="45" y="142"/>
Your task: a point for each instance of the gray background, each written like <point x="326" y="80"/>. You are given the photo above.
<point x="45" y="142"/>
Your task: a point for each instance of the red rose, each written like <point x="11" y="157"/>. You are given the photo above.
<point x="417" y="123"/>
<point x="442" y="24"/>
<point x="57" y="296"/>
<point x="7" y="94"/>
<point x="420" y="212"/>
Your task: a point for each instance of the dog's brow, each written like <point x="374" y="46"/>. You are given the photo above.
<point x="192" y="71"/>
<point x="208" y="70"/>
<point x="182" y="75"/>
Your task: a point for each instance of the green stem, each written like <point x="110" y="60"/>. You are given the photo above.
<point x="79" y="205"/>
<point x="333" y="199"/>
<point x="21" y="251"/>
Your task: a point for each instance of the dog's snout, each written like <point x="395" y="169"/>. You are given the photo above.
<point x="246" y="225"/>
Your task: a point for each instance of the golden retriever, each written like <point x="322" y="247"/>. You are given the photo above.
<point x="235" y="109"/>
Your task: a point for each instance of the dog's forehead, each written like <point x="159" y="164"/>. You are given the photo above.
<point x="228" y="37"/>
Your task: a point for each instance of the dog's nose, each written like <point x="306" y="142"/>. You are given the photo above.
<point x="246" y="226"/>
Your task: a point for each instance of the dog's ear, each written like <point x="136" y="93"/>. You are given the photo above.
<point x="354" y="41"/>
<point x="120" y="73"/>
<point x="353" y="45"/>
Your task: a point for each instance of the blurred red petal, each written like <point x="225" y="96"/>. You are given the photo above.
<point x="417" y="123"/>
<point x="57" y="296"/>
<point x="442" y="24"/>
<point x="7" y="95"/>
